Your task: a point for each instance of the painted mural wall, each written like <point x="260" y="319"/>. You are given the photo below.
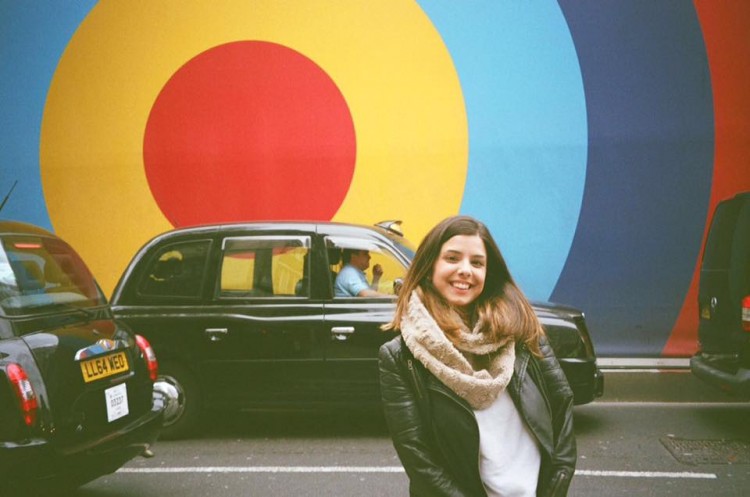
<point x="593" y="138"/>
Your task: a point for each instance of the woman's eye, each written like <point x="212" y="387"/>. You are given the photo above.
<point x="478" y="263"/>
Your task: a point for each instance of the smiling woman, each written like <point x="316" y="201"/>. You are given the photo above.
<point x="473" y="373"/>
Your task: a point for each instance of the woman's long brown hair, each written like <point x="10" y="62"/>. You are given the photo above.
<point x="502" y="308"/>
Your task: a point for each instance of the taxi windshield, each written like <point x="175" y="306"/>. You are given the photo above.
<point x="41" y="274"/>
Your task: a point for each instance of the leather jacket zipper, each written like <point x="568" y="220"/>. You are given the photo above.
<point x="417" y="383"/>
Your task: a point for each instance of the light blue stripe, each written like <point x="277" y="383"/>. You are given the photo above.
<point x="527" y="129"/>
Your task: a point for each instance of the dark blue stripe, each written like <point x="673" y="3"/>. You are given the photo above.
<point x="650" y="118"/>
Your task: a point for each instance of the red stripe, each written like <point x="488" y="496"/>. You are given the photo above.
<point x="725" y="28"/>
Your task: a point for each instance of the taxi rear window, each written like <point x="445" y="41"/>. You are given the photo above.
<point x="38" y="274"/>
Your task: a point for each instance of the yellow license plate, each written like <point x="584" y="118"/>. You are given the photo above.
<point x="102" y="367"/>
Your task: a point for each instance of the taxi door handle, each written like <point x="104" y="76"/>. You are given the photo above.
<point x="216" y="334"/>
<point x="341" y="333"/>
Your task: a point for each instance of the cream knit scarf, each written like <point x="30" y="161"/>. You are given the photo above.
<point x="449" y="363"/>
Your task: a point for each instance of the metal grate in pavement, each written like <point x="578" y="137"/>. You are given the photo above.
<point x="708" y="451"/>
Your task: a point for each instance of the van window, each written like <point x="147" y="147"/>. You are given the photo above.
<point x="739" y="259"/>
<point x="719" y="241"/>
<point x="728" y="246"/>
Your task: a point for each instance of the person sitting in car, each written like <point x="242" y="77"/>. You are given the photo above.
<point x="352" y="281"/>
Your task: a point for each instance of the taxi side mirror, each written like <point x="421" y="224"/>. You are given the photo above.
<point x="397" y="284"/>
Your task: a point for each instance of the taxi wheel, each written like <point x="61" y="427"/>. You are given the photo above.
<point x="182" y="414"/>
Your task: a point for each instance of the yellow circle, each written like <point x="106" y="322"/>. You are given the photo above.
<point x="386" y="57"/>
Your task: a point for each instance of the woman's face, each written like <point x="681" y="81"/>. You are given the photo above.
<point x="460" y="270"/>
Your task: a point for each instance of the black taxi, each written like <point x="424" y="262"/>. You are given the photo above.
<point x="77" y="397"/>
<point x="244" y="316"/>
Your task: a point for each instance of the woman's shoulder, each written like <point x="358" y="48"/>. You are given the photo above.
<point x="391" y="354"/>
<point x="393" y="345"/>
<point x="542" y="342"/>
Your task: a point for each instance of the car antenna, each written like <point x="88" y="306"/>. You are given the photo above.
<point x="8" y="195"/>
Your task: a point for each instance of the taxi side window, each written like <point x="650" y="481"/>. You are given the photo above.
<point x="265" y="267"/>
<point x="392" y="269"/>
<point x="176" y="270"/>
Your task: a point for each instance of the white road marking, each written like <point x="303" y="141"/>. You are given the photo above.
<point x="647" y="474"/>
<point x="739" y="404"/>
<point x="268" y="469"/>
<point x="616" y="364"/>
<point x="390" y="469"/>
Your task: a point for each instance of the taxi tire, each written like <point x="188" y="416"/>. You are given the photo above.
<point x="190" y="400"/>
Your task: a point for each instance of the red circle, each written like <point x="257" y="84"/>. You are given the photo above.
<point x="247" y="131"/>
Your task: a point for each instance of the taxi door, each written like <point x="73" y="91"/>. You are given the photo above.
<point x="265" y="339"/>
<point x="354" y="324"/>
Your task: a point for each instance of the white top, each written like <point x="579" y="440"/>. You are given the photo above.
<point x="509" y="457"/>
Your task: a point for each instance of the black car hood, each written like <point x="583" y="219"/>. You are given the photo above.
<point x="552" y="310"/>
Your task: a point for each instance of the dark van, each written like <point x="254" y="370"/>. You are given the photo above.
<point x="723" y="359"/>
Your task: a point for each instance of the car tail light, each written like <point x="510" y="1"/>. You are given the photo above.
<point x="24" y="393"/>
<point x="746" y="313"/>
<point x="148" y="356"/>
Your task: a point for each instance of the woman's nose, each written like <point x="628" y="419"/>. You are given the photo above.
<point x="464" y="267"/>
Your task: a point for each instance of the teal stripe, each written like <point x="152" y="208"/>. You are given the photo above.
<point x="527" y="128"/>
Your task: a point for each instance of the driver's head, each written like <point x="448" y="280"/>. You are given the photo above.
<point x="357" y="258"/>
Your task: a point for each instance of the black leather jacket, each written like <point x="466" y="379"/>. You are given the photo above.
<point x="435" y="432"/>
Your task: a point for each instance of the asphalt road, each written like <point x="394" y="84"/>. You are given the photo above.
<point x="652" y="434"/>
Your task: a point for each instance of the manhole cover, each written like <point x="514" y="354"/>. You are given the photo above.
<point x="708" y="451"/>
